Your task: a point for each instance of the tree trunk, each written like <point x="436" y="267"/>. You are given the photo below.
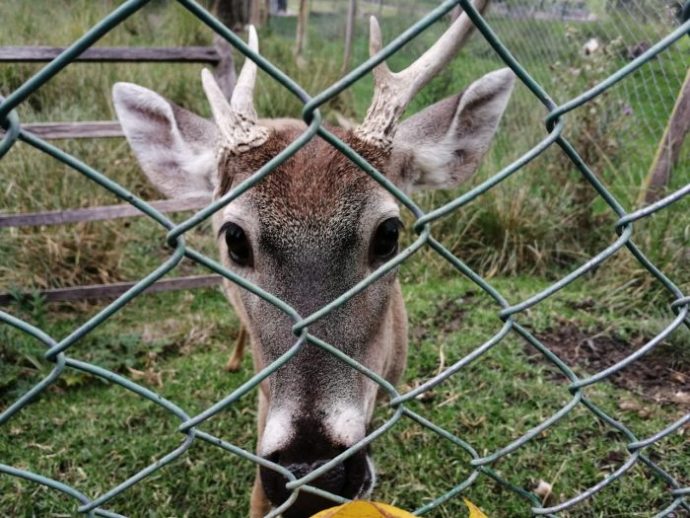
<point x="302" y="18"/>
<point x="233" y="13"/>
<point x="349" y="33"/>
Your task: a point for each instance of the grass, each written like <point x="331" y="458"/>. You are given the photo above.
<point x="524" y="234"/>
<point x="543" y="221"/>
<point x="92" y="434"/>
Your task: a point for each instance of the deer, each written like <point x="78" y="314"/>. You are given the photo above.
<point x="309" y="231"/>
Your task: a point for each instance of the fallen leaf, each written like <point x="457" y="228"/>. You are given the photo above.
<point x="363" y="509"/>
<point x="475" y="512"/>
<point x="367" y="509"/>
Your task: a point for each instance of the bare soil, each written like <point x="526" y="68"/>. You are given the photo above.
<point x="661" y="375"/>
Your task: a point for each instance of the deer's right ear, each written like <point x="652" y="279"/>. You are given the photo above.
<point x="175" y="147"/>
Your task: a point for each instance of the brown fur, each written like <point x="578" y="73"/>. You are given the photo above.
<point x="314" y="201"/>
<point x="293" y="185"/>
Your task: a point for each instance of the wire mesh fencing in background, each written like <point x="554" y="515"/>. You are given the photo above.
<point x="589" y="47"/>
<point x="570" y="45"/>
<point x="508" y="313"/>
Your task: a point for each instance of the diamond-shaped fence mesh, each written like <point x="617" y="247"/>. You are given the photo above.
<point x="58" y="351"/>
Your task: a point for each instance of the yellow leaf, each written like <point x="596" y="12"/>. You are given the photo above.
<point x="363" y="509"/>
<point x="475" y="512"/>
<point x="367" y="509"/>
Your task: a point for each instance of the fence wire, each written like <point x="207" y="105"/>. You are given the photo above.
<point x="509" y="313"/>
<point x="627" y="28"/>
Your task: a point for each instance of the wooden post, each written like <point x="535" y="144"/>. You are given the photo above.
<point x="266" y="12"/>
<point x="669" y="148"/>
<point x="233" y="13"/>
<point x="302" y="19"/>
<point x="349" y="32"/>
<point x="224" y="71"/>
<point x="257" y="15"/>
<point x="455" y="13"/>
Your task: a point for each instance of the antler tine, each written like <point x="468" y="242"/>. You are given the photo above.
<point x="394" y="90"/>
<point x="443" y="51"/>
<point x="381" y="72"/>
<point x="237" y="120"/>
<point x="220" y="107"/>
<point x="242" y="100"/>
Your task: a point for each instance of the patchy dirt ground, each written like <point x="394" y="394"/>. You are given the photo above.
<point x="660" y="376"/>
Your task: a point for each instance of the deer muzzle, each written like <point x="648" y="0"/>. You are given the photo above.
<point x="350" y="479"/>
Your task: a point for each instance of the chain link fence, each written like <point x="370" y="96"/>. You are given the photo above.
<point x="569" y="44"/>
<point x="58" y="351"/>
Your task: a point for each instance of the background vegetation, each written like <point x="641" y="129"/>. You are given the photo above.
<point x="527" y="232"/>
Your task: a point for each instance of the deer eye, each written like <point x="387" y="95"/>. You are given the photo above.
<point x="239" y="249"/>
<point x="384" y="245"/>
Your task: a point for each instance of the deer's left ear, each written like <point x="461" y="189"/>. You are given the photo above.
<point x="441" y="146"/>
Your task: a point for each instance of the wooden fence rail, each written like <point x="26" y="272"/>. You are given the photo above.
<point x="123" y="210"/>
<point x="219" y="55"/>
<point x="111" y="291"/>
<point x="114" y="54"/>
<point x="68" y="130"/>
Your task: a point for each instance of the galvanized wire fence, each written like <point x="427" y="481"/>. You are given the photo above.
<point x="621" y="31"/>
<point x="57" y="351"/>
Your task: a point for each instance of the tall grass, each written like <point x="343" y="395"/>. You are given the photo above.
<point x="545" y="219"/>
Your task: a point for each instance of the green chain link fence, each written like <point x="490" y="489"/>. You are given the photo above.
<point x="678" y="495"/>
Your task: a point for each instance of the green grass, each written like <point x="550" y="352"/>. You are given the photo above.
<point x="525" y="233"/>
<point x="93" y="435"/>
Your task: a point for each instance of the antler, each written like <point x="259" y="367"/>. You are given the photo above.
<point x="237" y="120"/>
<point x="394" y="90"/>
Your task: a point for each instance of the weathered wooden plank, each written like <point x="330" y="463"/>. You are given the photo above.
<point x="669" y="148"/>
<point x="37" y="54"/>
<point x="68" y="130"/>
<point x="111" y="291"/>
<point x="60" y="217"/>
<point x="224" y="71"/>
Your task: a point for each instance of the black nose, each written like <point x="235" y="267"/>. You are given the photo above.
<point x="348" y="479"/>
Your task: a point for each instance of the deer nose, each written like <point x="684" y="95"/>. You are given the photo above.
<point x="349" y="479"/>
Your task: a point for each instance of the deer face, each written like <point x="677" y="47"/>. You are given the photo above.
<point x="308" y="232"/>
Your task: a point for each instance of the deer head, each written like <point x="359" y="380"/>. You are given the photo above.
<point x="308" y="232"/>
